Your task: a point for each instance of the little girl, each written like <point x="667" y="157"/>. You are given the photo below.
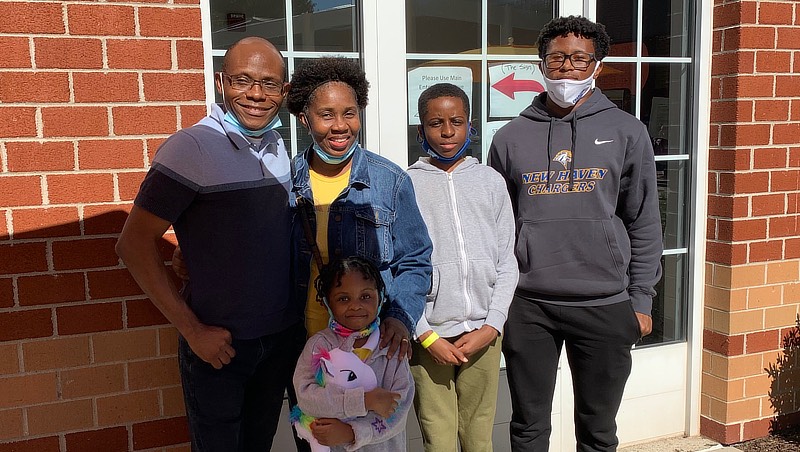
<point x="362" y="405"/>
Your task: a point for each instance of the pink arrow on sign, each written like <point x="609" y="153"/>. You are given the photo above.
<point x="510" y="86"/>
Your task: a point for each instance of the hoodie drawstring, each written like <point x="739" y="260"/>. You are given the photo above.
<point x="549" y="154"/>
<point x="574" y="124"/>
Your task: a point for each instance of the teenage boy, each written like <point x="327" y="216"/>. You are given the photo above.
<point x="581" y="176"/>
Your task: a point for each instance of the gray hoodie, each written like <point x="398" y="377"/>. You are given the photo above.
<point x="586" y="204"/>
<point x="471" y="223"/>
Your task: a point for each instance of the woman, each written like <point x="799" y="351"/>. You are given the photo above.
<point x="353" y="202"/>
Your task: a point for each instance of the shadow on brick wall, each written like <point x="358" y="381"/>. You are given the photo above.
<point x="785" y="386"/>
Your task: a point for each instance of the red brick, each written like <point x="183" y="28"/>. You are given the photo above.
<point x="768" y="205"/>
<point x="105" y="218"/>
<point x="101" y="20"/>
<point x="726" y="253"/>
<point x="725" y="434"/>
<point x="716" y="88"/>
<point x="69" y="53"/>
<point x="784" y="226"/>
<point x="153" y="144"/>
<point x="739" y="230"/>
<point x="110" y="154"/>
<point x="792" y="250"/>
<point x="749" y="38"/>
<point x="74" y="121"/>
<point x="45" y="222"/>
<point x="793" y="203"/>
<point x="756" y="429"/>
<point x="82" y="254"/>
<point x="31" y="17"/>
<point x="129" y="184"/>
<point x="733" y="63"/>
<point x="711" y="229"/>
<point x="771" y="110"/>
<point x="787" y="85"/>
<point x="16" y="53"/>
<point x="48" y="289"/>
<point x="16" y="325"/>
<point x="775" y="13"/>
<point x="106" y="86"/>
<point x="785" y="180"/>
<point x="114" y="439"/>
<point x="734" y="14"/>
<point x="20" y="191"/>
<point x="11" y="424"/>
<point x="729" y="159"/>
<point x="112" y="283"/>
<point x="139" y="54"/>
<point x="771" y="61"/>
<point x="762" y="341"/>
<point x="786" y="133"/>
<point x="182" y="22"/>
<point x="732" y="111"/>
<point x="23" y="258"/>
<point x="81" y="188"/>
<point x="716" y="41"/>
<point x="36" y="156"/>
<point x="6" y="293"/>
<point x="144" y="313"/>
<point x="27" y="87"/>
<point x="727" y="206"/>
<point x="49" y="444"/>
<point x="767" y="158"/>
<point x="153" y="373"/>
<point x="794" y="156"/>
<point x="144" y="120"/>
<point x="788" y="38"/>
<point x="745" y="134"/>
<point x="740" y="183"/>
<point x="748" y="86"/>
<point x="723" y="344"/>
<point x="163" y="432"/>
<point x="765" y="251"/>
<point x="173" y="86"/>
<point x="190" y="54"/>
<point x="89" y="318"/>
<point x="17" y="122"/>
<point x="191" y="114"/>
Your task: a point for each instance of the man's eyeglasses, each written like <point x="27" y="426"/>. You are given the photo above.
<point x="579" y="60"/>
<point x="245" y="83"/>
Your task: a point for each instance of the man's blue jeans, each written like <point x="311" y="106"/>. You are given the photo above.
<point x="237" y="408"/>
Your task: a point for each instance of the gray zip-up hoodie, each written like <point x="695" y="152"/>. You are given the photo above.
<point x="471" y="223"/>
<point x="586" y="204"/>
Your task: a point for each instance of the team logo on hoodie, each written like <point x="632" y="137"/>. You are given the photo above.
<point x="564" y="157"/>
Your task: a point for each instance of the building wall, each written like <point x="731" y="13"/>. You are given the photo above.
<point x="87" y="92"/>
<point x="751" y="339"/>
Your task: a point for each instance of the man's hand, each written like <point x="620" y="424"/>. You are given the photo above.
<point x="395" y="335"/>
<point x="443" y="352"/>
<point x="645" y="324"/>
<point x="476" y="340"/>
<point x="381" y="401"/>
<point x="332" y="432"/>
<point x="212" y="344"/>
<point x="179" y="265"/>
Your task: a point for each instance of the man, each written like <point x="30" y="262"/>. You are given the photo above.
<point x="581" y="175"/>
<point x="223" y="184"/>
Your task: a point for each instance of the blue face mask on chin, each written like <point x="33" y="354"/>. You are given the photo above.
<point x="332" y="160"/>
<point x="231" y="119"/>
<point x="423" y="141"/>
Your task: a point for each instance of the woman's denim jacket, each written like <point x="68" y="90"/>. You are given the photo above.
<point x="376" y="217"/>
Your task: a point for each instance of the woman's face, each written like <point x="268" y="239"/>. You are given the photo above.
<point x="446" y="125"/>
<point x="332" y="118"/>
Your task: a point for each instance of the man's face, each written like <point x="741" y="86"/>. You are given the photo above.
<point x="257" y="105"/>
<point x="572" y="45"/>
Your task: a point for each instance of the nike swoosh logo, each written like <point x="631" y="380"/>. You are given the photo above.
<point x="597" y="141"/>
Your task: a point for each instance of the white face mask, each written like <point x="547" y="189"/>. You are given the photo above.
<point x="567" y="92"/>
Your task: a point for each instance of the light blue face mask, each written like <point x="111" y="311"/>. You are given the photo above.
<point x="423" y="142"/>
<point x="231" y="119"/>
<point x="332" y="160"/>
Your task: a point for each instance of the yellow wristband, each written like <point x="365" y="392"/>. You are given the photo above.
<point x="430" y="340"/>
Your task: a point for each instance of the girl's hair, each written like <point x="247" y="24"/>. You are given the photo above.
<point x="331" y="275"/>
<point x="317" y="72"/>
<point x="441" y="90"/>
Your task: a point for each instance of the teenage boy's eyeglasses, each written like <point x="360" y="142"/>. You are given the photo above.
<point x="245" y="83"/>
<point x="579" y="60"/>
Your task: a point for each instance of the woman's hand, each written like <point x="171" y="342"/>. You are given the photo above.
<point x="395" y="335"/>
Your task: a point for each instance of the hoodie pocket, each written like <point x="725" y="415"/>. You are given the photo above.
<point x="573" y="257"/>
<point x="446" y="300"/>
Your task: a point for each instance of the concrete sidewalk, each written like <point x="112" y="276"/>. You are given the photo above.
<point x="679" y="444"/>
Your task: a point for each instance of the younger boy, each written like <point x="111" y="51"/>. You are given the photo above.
<point x="466" y="206"/>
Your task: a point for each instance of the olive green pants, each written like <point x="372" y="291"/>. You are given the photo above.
<point x="456" y="403"/>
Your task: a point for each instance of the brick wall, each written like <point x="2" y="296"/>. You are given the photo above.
<point x="750" y="371"/>
<point x="87" y="92"/>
